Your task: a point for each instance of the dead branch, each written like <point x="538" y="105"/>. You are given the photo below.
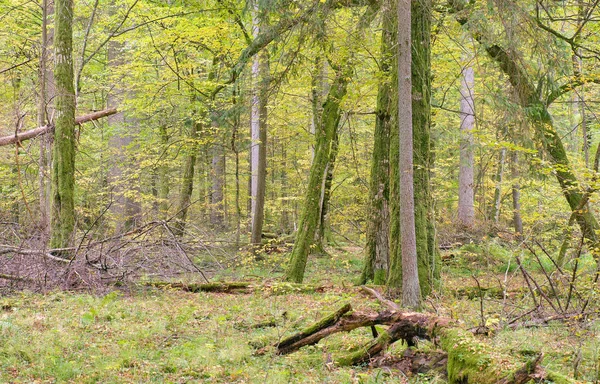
<point x="19" y="137"/>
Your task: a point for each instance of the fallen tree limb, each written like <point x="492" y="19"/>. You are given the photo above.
<point x="469" y="360"/>
<point x="4" y="249"/>
<point x="19" y="137"/>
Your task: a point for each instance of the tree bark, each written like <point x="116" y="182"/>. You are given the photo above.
<point x="466" y="208"/>
<point x="63" y="167"/>
<point x="411" y="290"/>
<point x="516" y="193"/>
<point x="498" y="179"/>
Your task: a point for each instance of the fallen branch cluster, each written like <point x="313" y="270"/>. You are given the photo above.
<point x="467" y="360"/>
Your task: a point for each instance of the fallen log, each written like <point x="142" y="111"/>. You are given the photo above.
<point x="237" y="287"/>
<point x="22" y="136"/>
<point x="468" y="359"/>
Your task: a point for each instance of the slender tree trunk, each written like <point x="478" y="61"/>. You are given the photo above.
<point x="516" y="193"/>
<point x="45" y="113"/>
<point x="377" y="249"/>
<point x="411" y="291"/>
<point x="217" y="195"/>
<point x="466" y="208"/>
<point x="187" y="182"/>
<point x="163" y="176"/>
<point x="325" y="134"/>
<point x="63" y="167"/>
<point x="320" y="234"/>
<point x="498" y="179"/>
<point x="261" y="79"/>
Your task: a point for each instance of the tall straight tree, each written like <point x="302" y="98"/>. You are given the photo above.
<point x="377" y="249"/>
<point x="45" y="113"/>
<point x="411" y="290"/>
<point x="258" y="128"/>
<point x="428" y="257"/>
<point x="466" y="208"/>
<point x="63" y="167"/>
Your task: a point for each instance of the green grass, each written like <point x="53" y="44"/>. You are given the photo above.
<point x="168" y="336"/>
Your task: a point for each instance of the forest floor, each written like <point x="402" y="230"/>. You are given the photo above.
<point x="165" y="335"/>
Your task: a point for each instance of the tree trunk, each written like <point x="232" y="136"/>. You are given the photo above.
<point x="429" y="259"/>
<point x="516" y="193"/>
<point x="45" y="113"/>
<point x="261" y="80"/>
<point x="217" y="195"/>
<point x="320" y="234"/>
<point x="377" y="249"/>
<point x="466" y="208"/>
<point x="163" y="176"/>
<point x="498" y="179"/>
<point x="63" y="167"/>
<point x="325" y="134"/>
<point x="411" y="291"/>
<point x="187" y="182"/>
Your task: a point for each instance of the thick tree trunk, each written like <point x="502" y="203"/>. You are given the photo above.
<point x="63" y="167"/>
<point x="377" y="249"/>
<point x="466" y="208"/>
<point x="411" y="290"/>
<point x="261" y="80"/>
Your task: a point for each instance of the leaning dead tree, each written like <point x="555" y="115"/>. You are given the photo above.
<point x="18" y="137"/>
<point x="468" y="359"/>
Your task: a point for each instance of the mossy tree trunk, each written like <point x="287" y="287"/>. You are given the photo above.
<point x="325" y="134"/>
<point x="429" y="259"/>
<point x="321" y="232"/>
<point x="63" y="167"/>
<point x="377" y="249"/>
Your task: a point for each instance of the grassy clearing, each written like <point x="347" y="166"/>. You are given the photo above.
<point x="168" y="336"/>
